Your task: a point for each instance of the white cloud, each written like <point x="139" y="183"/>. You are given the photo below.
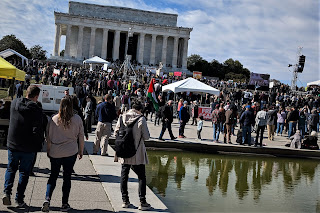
<point x="262" y="35"/>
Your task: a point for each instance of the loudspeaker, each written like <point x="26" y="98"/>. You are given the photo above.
<point x="302" y="60"/>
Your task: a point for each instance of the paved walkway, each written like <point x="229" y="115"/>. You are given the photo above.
<point x="95" y="186"/>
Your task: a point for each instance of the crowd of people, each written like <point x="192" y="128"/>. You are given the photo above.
<point x="104" y="97"/>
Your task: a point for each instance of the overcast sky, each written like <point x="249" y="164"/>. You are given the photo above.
<point x="263" y="35"/>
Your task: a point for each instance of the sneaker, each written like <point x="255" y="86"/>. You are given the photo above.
<point x="144" y="206"/>
<point x="173" y="138"/>
<point x="20" y="204"/>
<point x="65" y="207"/>
<point x="180" y="136"/>
<point x="125" y="204"/>
<point x="45" y="206"/>
<point x="6" y="200"/>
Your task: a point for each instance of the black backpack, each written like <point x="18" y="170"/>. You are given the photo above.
<point x="124" y="143"/>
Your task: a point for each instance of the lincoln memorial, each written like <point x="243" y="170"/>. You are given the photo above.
<point x="95" y="30"/>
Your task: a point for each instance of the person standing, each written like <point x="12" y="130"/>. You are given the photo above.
<point x="199" y="127"/>
<point x="292" y="119"/>
<point x="261" y="122"/>
<point x="271" y="120"/>
<point x="246" y="120"/>
<point x="62" y="148"/>
<point x="195" y="113"/>
<point x="228" y="125"/>
<point x="184" y="118"/>
<point x="25" y="138"/>
<point x="216" y="123"/>
<point x="88" y="114"/>
<point x="106" y="113"/>
<point x="313" y="120"/>
<point x="281" y="117"/>
<point x="139" y="160"/>
<point x="167" y="119"/>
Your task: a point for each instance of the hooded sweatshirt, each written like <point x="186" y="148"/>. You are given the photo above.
<point x="140" y="132"/>
<point x="26" y="127"/>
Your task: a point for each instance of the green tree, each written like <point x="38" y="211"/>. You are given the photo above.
<point x="62" y="53"/>
<point x="38" y="53"/>
<point x="193" y="59"/>
<point x="12" y="42"/>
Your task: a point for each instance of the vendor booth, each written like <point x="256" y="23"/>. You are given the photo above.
<point x="9" y="71"/>
<point x="314" y="83"/>
<point x="195" y="86"/>
<point x="97" y="60"/>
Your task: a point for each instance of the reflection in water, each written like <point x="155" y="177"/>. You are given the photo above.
<point x="246" y="176"/>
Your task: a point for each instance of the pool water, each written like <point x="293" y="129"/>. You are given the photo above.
<point x="195" y="182"/>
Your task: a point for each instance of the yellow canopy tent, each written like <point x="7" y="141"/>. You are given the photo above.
<point x="9" y="71"/>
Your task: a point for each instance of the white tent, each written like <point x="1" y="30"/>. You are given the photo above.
<point x="190" y="85"/>
<point x="95" y="60"/>
<point x="9" y="52"/>
<point x="314" y="83"/>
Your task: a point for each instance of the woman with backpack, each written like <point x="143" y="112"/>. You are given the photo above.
<point x="141" y="133"/>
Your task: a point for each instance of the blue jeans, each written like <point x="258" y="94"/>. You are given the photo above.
<point x="292" y="128"/>
<point x="246" y="130"/>
<point x="23" y="161"/>
<point x="216" y="131"/>
<point x="67" y="163"/>
<point x="280" y="128"/>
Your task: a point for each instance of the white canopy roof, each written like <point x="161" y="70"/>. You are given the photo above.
<point x="190" y="85"/>
<point x="9" y="52"/>
<point x="314" y="83"/>
<point x="95" y="60"/>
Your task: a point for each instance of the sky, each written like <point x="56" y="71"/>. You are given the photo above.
<point x="263" y="35"/>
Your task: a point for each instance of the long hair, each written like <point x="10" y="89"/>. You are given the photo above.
<point x="65" y="112"/>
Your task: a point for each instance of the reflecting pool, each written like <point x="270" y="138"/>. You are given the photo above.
<point x="195" y="182"/>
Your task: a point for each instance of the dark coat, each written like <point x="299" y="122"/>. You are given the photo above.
<point x="247" y="118"/>
<point x="167" y="113"/>
<point x="26" y="127"/>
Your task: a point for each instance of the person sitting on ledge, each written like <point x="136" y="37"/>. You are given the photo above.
<point x="311" y="141"/>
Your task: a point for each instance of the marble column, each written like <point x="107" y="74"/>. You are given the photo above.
<point x="116" y="45"/>
<point x="80" y="42"/>
<point x="92" y="41"/>
<point x="164" y="50"/>
<point x="153" y="49"/>
<point x="185" y="53"/>
<point x="175" y="52"/>
<point x="56" y="48"/>
<point x="68" y="41"/>
<point x="141" y="47"/>
<point x="104" y="43"/>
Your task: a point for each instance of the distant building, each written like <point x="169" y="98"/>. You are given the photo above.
<point x="95" y="30"/>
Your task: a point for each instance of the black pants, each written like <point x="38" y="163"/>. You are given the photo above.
<point x="88" y="124"/>
<point x="260" y="130"/>
<point x="157" y="120"/>
<point x="140" y="170"/>
<point x="194" y="120"/>
<point x="199" y="133"/>
<point x="165" y="125"/>
<point x="181" y="128"/>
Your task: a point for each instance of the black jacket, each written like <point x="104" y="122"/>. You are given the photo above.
<point x="26" y="127"/>
<point x="167" y="113"/>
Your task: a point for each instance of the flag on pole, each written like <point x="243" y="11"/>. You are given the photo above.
<point x="152" y="95"/>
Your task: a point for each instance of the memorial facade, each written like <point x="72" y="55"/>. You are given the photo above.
<point x="95" y="30"/>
